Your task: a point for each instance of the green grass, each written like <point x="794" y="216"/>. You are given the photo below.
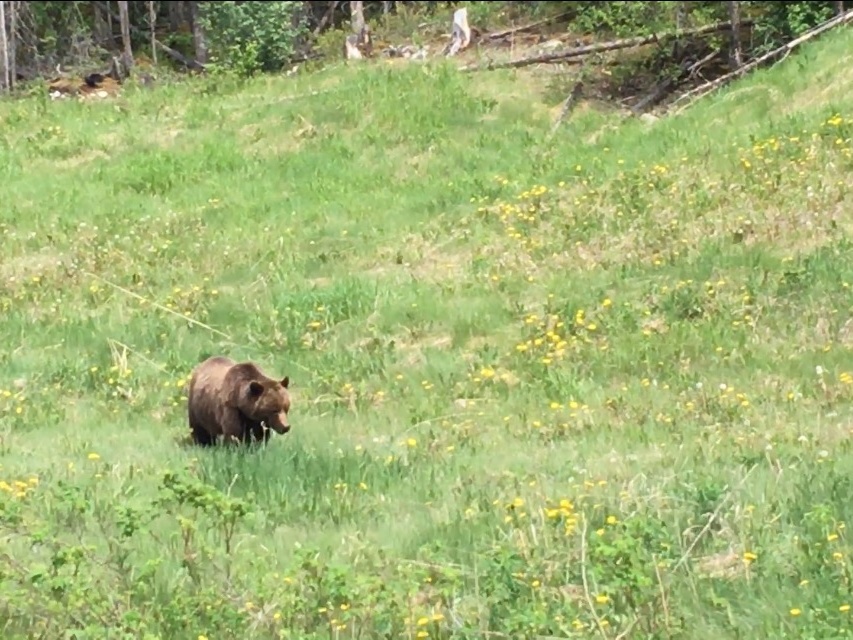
<point x="598" y="386"/>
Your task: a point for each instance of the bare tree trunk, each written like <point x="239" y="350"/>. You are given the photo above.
<point x="152" y="24"/>
<point x="13" y="43"/>
<point x="356" y="9"/>
<point x="5" y="81"/>
<point x="124" y="18"/>
<point x="198" y="33"/>
<point x="839" y="7"/>
<point x="680" y="16"/>
<point x="101" y="26"/>
<point x="177" y="13"/>
<point x="110" y="25"/>
<point x="735" y="50"/>
<point x="386" y="7"/>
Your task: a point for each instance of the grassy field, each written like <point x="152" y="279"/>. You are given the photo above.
<point x="592" y="386"/>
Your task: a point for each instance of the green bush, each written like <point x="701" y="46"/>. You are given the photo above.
<point x="249" y="37"/>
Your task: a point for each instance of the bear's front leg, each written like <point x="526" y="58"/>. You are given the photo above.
<point x="254" y="432"/>
<point x="258" y="433"/>
<point x="200" y="436"/>
<point x="232" y="427"/>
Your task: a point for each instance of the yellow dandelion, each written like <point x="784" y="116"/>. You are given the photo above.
<point x="602" y="598"/>
<point x="795" y="612"/>
<point x="93" y="456"/>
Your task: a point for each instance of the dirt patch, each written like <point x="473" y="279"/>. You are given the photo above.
<point x="724" y="565"/>
<point x="81" y="159"/>
<point x="274" y="139"/>
<point x="32" y="265"/>
<point x="410" y="164"/>
<point x="527" y="87"/>
<point x="416" y="257"/>
<point x="320" y="281"/>
<point x="413" y="349"/>
<point x="165" y="137"/>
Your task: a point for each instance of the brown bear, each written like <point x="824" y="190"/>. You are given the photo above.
<point x="236" y="401"/>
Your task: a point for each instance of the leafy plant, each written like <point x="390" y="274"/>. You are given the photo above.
<point x="248" y="37"/>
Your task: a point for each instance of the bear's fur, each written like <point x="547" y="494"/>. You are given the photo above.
<point x="236" y="401"/>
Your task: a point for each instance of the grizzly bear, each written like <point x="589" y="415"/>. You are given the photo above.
<point x="236" y="401"/>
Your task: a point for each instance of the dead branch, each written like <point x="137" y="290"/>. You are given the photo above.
<point x="585" y="580"/>
<point x="771" y="56"/>
<point x="497" y="35"/>
<point x="568" y="106"/>
<point x="603" y="47"/>
<point x="326" y="17"/>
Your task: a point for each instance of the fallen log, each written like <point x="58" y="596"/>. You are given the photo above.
<point x="603" y="47"/>
<point x="771" y="56"/>
<point x="177" y="56"/>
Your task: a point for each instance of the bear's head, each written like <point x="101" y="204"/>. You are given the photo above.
<point x="268" y="401"/>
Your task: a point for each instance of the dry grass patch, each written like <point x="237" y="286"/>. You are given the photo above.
<point x="45" y="263"/>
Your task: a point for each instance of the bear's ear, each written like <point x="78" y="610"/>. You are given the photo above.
<point x="286" y="382"/>
<point x="255" y="388"/>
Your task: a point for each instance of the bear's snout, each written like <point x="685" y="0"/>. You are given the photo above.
<point x="279" y="423"/>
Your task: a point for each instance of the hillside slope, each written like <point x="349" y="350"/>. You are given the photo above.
<point x="594" y="386"/>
